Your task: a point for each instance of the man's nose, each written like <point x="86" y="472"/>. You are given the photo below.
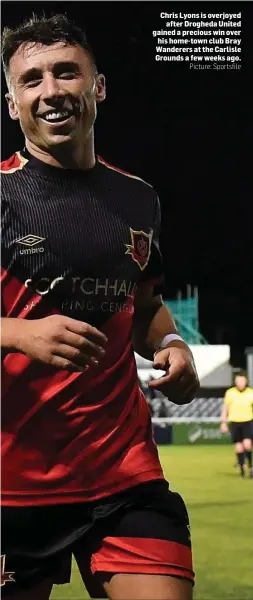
<point x="51" y="88"/>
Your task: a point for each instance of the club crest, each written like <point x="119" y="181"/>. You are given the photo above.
<point x="140" y="247"/>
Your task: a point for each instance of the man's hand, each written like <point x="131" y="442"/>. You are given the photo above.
<point x="224" y="428"/>
<point x="180" y="382"/>
<point x="61" y="342"/>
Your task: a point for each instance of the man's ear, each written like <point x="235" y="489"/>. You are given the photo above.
<point x="13" y="110"/>
<point x="100" y="88"/>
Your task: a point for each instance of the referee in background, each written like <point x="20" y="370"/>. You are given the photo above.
<point x="238" y="409"/>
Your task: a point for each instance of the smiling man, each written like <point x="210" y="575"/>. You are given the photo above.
<point x="66" y="72"/>
<point x="81" y="289"/>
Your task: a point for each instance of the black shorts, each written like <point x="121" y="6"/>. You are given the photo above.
<point x="241" y="431"/>
<point x="144" y="529"/>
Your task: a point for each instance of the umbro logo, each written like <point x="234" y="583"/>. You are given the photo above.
<point x="30" y="241"/>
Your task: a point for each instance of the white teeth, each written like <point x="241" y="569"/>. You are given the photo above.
<point x="59" y="115"/>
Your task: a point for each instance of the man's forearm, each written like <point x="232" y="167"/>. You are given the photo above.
<point x="224" y="414"/>
<point x="151" y="325"/>
<point x="10" y="334"/>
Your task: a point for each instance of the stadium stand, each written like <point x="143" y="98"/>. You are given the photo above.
<point x="200" y="408"/>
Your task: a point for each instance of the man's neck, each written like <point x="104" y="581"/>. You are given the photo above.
<point x="82" y="158"/>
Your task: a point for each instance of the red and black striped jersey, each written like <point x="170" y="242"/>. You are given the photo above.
<point x="76" y="243"/>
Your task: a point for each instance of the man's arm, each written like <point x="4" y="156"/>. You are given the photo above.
<point x="11" y="332"/>
<point x="56" y="340"/>
<point x="152" y="323"/>
<point x="224" y="416"/>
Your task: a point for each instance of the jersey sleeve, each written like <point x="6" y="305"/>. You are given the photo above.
<point x="153" y="273"/>
<point x="227" y="398"/>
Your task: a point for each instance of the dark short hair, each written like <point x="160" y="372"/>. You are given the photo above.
<point x="241" y="373"/>
<point x="43" y="30"/>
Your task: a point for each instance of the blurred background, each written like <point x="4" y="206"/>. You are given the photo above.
<point x="189" y="134"/>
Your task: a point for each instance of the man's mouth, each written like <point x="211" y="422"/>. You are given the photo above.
<point x="54" y="117"/>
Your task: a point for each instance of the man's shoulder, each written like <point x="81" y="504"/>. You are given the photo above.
<point x="230" y="391"/>
<point x="14" y="163"/>
<point x="117" y="172"/>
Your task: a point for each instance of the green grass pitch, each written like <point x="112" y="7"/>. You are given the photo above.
<point x="220" y="509"/>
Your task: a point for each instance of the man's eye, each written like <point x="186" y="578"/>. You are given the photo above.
<point x="33" y="83"/>
<point x="66" y="75"/>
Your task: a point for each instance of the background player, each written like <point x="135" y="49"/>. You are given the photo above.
<point x="81" y="287"/>
<point x="238" y="408"/>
